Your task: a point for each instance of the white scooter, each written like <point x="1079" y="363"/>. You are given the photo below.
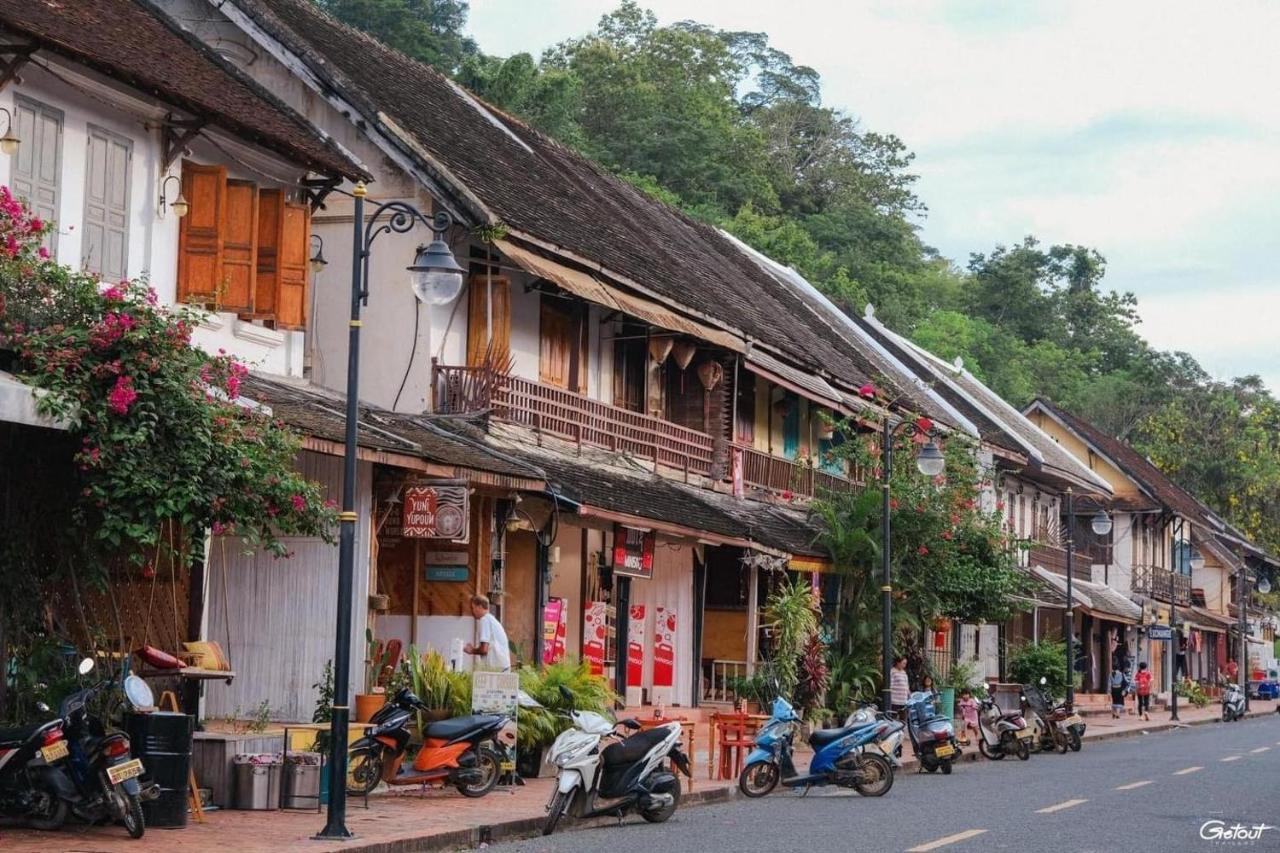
<point x="627" y="775"/>
<point x="891" y="744"/>
<point x="1232" y="702"/>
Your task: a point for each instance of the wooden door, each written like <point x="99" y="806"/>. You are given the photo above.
<point x="200" y="233"/>
<point x="488" y="318"/>
<point x="562" y="354"/>
<point x="105" y="250"/>
<point x="37" y="165"/>
<point x="240" y="245"/>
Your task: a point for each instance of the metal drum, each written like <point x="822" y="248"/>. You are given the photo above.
<point x="163" y="741"/>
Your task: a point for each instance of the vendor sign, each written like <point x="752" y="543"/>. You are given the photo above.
<point x="438" y="509"/>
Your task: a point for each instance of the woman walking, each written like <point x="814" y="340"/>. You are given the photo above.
<point x="1143" y="680"/>
<point x="1118" y="685"/>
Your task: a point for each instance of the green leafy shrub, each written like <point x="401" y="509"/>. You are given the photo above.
<point x="1029" y="662"/>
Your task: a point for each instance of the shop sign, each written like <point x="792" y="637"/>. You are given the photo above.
<point x="632" y="552"/>
<point x="439" y="509"/>
<point x="664" y="647"/>
<point x="448" y="574"/>
<point x="1159" y="632"/>
<point x="554" y="630"/>
<point x="495" y="692"/>
<point x="635" y="646"/>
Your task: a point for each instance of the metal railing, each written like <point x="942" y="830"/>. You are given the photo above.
<point x="1162" y="584"/>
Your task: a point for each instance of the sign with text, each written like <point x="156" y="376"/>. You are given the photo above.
<point x="495" y="692"/>
<point x="635" y="646"/>
<point x="448" y="574"/>
<point x="595" y="633"/>
<point x="664" y="647"/>
<point x="439" y="509"/>
<point x="632" y="552"/>
<point x="1159" y="632"/>
<point x="554" y="630"/>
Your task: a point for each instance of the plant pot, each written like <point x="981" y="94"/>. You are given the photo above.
<point x="367" y="704"/>
<point x="947" y="702"/>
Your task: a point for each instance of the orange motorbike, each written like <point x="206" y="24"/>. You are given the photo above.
<point x="461" y="751"/>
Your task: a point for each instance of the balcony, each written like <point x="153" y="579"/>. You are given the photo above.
<point x="1162" y="584"/>
<point x="584" y="421"/>
<point x="1054" y="558"/>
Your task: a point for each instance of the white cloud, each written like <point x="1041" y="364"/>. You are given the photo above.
<point x="1144" y="129"/>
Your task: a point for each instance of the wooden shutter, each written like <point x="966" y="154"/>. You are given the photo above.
<point x="200" y="233"/>
<point x="557" y="337"/>
<point x="239" y="245"/>
<point x="489" y="307"/>
<point x="37" y="166"/>
<point x="292" y="305"/>
<point x="105" y="249"/>
<point x="270" y="224"/>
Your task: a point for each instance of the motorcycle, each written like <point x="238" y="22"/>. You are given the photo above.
<point x="1232" y="702"/>
<point x="840" y="756"/>
<point x="890" y="741"/>
<point x="32" y="789"/>
<point x="1046" y="732"/>
<point x="460" y="751"/>
<point x="932" y="735"/>
<point x="628" y="774"/>
<point x="1002" y="733"/>
<point x="101" y="767"/>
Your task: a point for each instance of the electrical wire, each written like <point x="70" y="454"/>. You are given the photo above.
<point x="413" y="351"/>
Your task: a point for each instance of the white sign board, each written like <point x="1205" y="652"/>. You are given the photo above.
<point x="495" y="692"/>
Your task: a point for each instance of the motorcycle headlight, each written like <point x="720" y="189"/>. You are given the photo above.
<point x="567" y="750"/>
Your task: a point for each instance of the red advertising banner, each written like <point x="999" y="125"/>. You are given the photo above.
<point x="437" y="510"/>
<point x="664" y="647"/>
<point x="635" y="647"/>
<point x="595" y="633"/>
<point x="553" y="630"/>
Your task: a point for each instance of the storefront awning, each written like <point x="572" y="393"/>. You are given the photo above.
<point x="590" y="288"/>
<point x="1095" y="599"/>
<point x="1205" y="620"/>
<point x="805" y="384"/>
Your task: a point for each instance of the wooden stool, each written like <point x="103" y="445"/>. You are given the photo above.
<point x="733" y="735"/>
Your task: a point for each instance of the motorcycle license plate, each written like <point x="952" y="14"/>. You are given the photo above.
<point x="1026" y="734"/>
<point x="1074" y="720"/>
<point x="507" y="766"/>
<point x="123" y="772"/>
<point x="55" y="751"/>
<point x="944" y="751"/>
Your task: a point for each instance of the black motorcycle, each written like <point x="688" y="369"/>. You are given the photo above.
<point x="32" y="787"/>
<point x="101" y="767"/>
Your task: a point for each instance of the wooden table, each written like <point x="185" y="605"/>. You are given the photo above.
<point x="688" y="732"/>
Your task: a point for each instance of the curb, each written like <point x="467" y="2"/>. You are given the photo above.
<point x="525" y="827"/>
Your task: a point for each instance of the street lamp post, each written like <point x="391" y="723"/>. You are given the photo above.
<point x="930" y="462"/>
<point x="436" y="279"/>
<point x="1101" y="526"/>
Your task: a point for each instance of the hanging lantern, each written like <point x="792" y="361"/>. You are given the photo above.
<point x="682" y="353"/>
<point x="710" y="372"/>
<point x="659" y="349"/>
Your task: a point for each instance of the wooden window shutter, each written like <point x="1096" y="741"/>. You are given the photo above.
<point x="294" y="265"/>
<point x="489" y="307"/>
<point x="36" y="167"/>
<point x="200" y="233"/>
<point x="105" y="250"/>
<point x="239" y="245"/>
<point x="270" y="230"/>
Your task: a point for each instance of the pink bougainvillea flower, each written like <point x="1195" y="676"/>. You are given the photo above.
<point x="44" y="253"/>
<point x="948" y="535"/>
<point x="122" y="395"/>
<point x="893" y="503"/>
<point x="922" y="551"/>
<point x="113" y="294"/>
<point x="924" y="424"/>
<point x="867" y="390"/>
<point x="299" y="503"/>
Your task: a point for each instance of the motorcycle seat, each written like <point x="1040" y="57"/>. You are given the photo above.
<point x="633" y="748"/>
<point x="18" y="734"/>
<point x="458" y="728"/>
<point x="819" y="738"/>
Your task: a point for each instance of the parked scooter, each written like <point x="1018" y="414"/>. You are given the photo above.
<point x="933" y="737"/>
<point x="1046" y="734"/>
<point x="628" y="774"/>
<point x="889" y="741"/>
<point x="101" y="766"/>
<point x="1232" y="702"/>
<point x="459" y="751"/>
<point x="32" y="788"/>
<point x="1002" y="733"/>
<point x="839" y="756"/>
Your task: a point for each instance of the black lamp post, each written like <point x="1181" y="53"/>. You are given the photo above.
<point x="931" y="463"/>
<point x="1101" y="525"/>
<point x="436" y="278"/>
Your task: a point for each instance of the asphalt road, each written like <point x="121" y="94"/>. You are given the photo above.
<point x="1145" y="792"/>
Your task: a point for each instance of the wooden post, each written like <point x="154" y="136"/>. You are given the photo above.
<point x="753" y="618"/>
<point x="417" y="574"/>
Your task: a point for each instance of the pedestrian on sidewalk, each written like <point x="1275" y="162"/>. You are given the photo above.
<point x="1143" y="680"/>
<point x="969" y="711"/>
<point x="491" y="645"/>
<point x="1118" y="685"/>
<point x="899" y="687"/>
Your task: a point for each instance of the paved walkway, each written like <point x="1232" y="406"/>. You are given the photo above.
<point x="411" y="820"/>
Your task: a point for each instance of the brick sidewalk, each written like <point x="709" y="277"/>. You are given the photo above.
<point x="408" y="820"/>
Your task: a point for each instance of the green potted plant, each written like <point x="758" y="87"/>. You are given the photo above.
<point x="377" y="658"/>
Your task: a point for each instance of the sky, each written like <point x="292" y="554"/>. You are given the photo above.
<point x="1145" y="130"/>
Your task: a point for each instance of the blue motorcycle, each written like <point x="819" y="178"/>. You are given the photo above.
<point x="839" y="756"/>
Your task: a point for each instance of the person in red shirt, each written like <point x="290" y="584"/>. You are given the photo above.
<point x="1143" y="688"/>
<point x="1233" y="671"/>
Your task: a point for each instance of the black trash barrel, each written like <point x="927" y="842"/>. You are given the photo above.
<point x="163" y="741"/>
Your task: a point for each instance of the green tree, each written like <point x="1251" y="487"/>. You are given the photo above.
<point x="427" y="30"/>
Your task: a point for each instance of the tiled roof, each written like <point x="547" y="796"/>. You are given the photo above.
<point x="134" y="42"/>
<point x="1095" y="597"/>
<point x="1140" y="469"/>
<point x="499" y="169"/>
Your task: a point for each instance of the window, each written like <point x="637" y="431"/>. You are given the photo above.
<point x="630" y="366"/>
<point x="562" y="360"/>
<point x="108" y="168"/>
<point x="488" y="318"/>
<point x="243" y="248"/>
<point x="37" y="167"/>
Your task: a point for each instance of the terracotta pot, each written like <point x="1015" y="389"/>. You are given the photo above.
<point x="367" y="704"/>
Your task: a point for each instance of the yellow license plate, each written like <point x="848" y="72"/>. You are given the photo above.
<point x="507" y="766"/>
<point x="1074" y="720"/>
<point x="1026" y="734"/>
<point x="945" y="750"/>
<point x="123" y="772"/>
<point x="55" y="751"/>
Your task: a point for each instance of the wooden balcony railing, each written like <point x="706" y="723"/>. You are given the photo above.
<point x="556" y="411"/>
<point x="1162" y="584"/>
<point x="1054" y="558"/>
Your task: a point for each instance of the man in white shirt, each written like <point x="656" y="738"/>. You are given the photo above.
<point x="491" y="640"/>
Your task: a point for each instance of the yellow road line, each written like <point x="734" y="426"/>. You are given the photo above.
<point x="1060" y="806"/>
<point x="1133" y="785"/>
<point x="1232" y="758"/>
<point x="1184" y="771"/>
<point x="947" y="839"/>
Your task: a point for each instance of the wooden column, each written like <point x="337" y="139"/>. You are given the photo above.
<point x="753" y="618"/>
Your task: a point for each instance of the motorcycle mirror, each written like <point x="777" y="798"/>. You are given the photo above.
<point x="630" y="723"/>
<point x="85" y="667"/>
<point x="139" y="694"/>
